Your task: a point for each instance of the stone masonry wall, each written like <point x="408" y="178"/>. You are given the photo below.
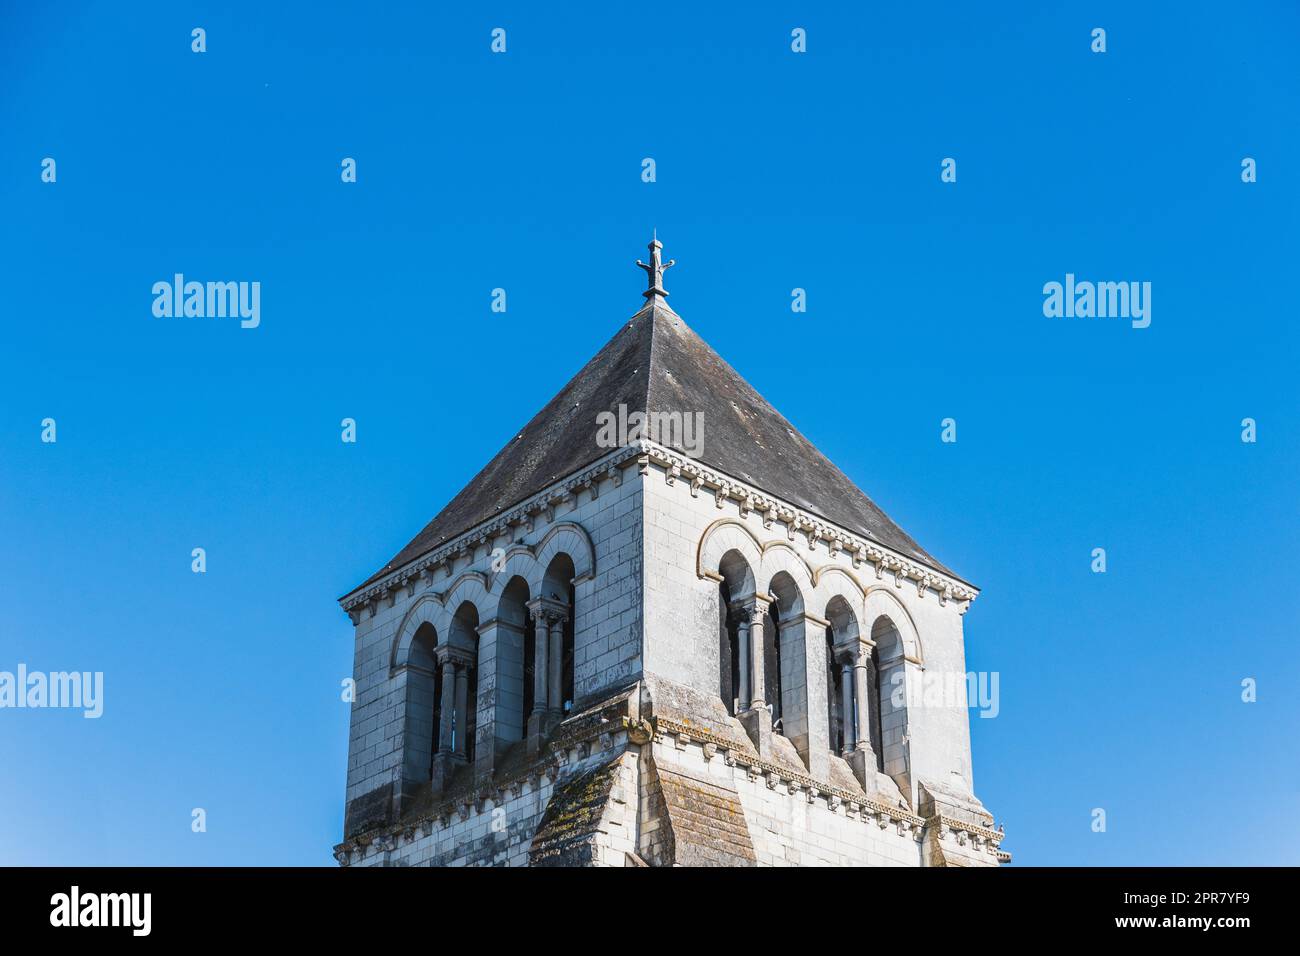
<point x="682" y="615"/>
<point x="647" y="632"/>
<point x="799" y="828"/>
<point x="502" y="829"/>
<point x="607" y="636"/>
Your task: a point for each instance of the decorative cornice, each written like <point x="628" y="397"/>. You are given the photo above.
<point x="723" y="487"/>
<point x="565" y="748"/>
<point x="758" y="767"/>
<point x="773" y="774"/>
<point x="813" y="528"/>
<point x="980" y="839"/>
<point x="605" y="736"/>
<point x="983" y="834"/>
<point x="464" y="545"/>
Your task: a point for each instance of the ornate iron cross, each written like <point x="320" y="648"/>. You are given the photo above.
<point x="655" y="270"/>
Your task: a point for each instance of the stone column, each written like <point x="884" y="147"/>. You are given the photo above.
<point x="462" y="708"/>
<point x="755" y="718"/>
<point x="541" y="680"/>
<point x="757" y="654"/>
<point x="455" y="672"/>
<point x="555" y="676"/>
<point x="742" y="664"/>
<point x="493" y="722"/>
<point x="448" y="702"/>
<point x="548" y="669"/>
<point x="863" y="758"/>
<point x="846" y="696"/>
<point x="863" y="693"/>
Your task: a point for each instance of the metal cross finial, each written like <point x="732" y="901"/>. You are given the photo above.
<point x="655" y="270"/>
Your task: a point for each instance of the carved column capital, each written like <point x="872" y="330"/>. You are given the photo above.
<point x="551" y="610"/>
<point x="455" y="656"/>
<point x="861" y="651"/>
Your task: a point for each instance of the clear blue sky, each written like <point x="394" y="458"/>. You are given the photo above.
<point x="522" y="171"/>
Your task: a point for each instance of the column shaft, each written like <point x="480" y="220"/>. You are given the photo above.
<point x="864" y="703"/>
<point x="555" y="694"/>
<point x="848" y="721"/>
<point x="448" y="705"/>
<point x="742" y="665"/>
<point x="541" y="648"/>
<point x="462" y="707"/>
<point x="757" y="653"/>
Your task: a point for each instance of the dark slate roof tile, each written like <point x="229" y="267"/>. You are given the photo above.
<point x="657" y="363"/>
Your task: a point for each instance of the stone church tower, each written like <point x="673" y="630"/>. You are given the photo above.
<point x="658" y="628"/>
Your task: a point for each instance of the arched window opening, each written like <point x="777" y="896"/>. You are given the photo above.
<point x="437" y="715"/>
<point x="728" y="651"/>
<point x="469" y="719"/>
<point x="772" y="640"/>
<point x="513" y="663"/>
<point x="566" y="666"/>
<point x="846" y="680"/>
<point x="422" y="703"/>
<point x="835" y="697"/>
<point x="785" y="678"/>
<point x="457" y="695"/>
<point x="529" y="671"/>
<point x="464" y="637"/>
<point x="735" y="605"/>
<point x="871" y="710"/>
<point x="889" y="717"/>
<point x="552" y="656"/>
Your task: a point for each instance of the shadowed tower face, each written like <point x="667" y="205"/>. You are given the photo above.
<point x="654" y="622"/>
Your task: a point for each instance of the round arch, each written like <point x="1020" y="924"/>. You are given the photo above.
<point x="471" y="587"/>
<point x="569" y="538"/>
<point x="835" y="582"/>
<point x="426" y="610"/>
<point x="881" y="603"/>
<point x="843" y="619"/>
<point x="724" y="535"/>
<point x="519" y="562"/>
<point x="779" y="559"/>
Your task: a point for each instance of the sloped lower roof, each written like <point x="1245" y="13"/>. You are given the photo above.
<point x="656" y="363"/>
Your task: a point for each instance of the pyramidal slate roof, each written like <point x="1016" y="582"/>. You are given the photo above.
<point x="656" y="363"/>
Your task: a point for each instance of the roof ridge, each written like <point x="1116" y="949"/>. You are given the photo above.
<point x="748" y="438"/>
<point x="654" y="341"/>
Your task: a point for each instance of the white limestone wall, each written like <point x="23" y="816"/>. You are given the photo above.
<point x="376" y="726"/>
<point x="681" y="609"/>
<point x="607" y="635"/>
<point x="789" y="829"/>
<point x="681" y="620"/>
<point x="500" y="831"/>
<point x="939" y="723"/>
<point x="646" y="534"/>
<point x="499" y="834"/>
<point x="607" y="625"/>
